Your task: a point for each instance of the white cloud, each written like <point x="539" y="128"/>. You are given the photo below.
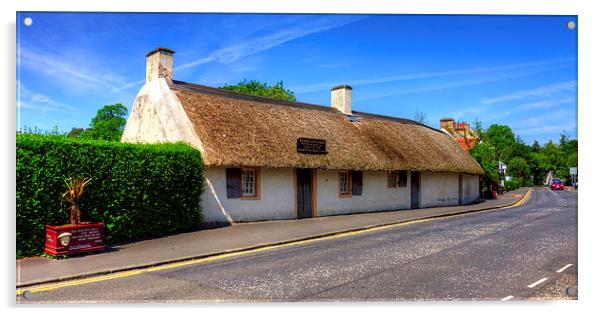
<point x="465" y="112"/>
<point x="545" y="103"/>
<point x="494" y="113"/>
<point x="255" y="45"/>
<point x="544" y="91"/>
<point x="546" y="118"/>
<point x="83" y="74"/>
<point x="28" y="99"/>
<point x="297" y="28"/>
<point x="427" y="75"/>
<point x="551" y="128"/>
<point x="456" y="84"/>
<point x="129" y="85"/>
<point x="540" y="101"/>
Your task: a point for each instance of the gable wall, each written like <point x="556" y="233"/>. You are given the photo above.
<point x="439" y="189"/>
<point x="158" y="117"/>
<point x="470" y="188"/>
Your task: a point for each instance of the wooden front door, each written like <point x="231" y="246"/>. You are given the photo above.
<point x="415" y="189"/>
<point x="304" y="193"/>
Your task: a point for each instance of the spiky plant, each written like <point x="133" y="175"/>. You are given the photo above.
<point x="75" y="190"/>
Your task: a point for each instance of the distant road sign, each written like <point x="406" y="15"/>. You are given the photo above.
<point x="573" y="170"/>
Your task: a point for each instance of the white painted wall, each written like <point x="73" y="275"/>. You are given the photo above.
<point x="157" y="116"/>
<point x="470" y="188"/>
<point x="277" y="200"/>
<point x="375" y="194"/>
<point x="439" y="189"/>
<point x="278" y="195"/>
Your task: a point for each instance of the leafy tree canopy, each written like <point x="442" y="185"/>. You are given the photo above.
<point x="484" y="154"/>
<point x="526" y="164"/>
<point x="254" y="87"/>
<point x="518" y="167"/>
<point x="75" y="132"/>
<point x="501" y="138"/>
<point x="535" y="146"/>
<point x="108" y="124"/>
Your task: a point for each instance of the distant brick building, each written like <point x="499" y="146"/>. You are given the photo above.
<point x="460" y="131"/>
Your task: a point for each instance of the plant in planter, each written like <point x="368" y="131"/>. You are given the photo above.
<point x="75" y="190"/>
<point x="78" y="236"/>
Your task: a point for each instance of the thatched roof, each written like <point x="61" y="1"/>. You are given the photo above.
<point x="242" y="130"/>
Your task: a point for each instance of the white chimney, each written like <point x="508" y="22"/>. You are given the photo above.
<point x="159" y="64"/>
<point x="340" y="98"/>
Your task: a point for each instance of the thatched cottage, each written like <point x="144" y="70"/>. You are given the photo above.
<point x="269" y="159"/>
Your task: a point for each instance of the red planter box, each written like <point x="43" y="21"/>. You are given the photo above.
<point x="72" y="239"/>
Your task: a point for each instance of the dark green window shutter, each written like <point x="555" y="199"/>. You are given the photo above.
<point x="233" y="183"/>
<point x="403" y="179"/>
<point x="357" y="182"/>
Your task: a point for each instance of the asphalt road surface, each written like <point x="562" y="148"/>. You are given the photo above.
<point x="522" y="253"/>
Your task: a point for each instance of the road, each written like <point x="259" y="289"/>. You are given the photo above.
<point x="522" y="253"/>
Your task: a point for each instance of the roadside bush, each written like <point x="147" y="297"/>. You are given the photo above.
<point x="137" y="190"/>
<point x="511" y="185"/>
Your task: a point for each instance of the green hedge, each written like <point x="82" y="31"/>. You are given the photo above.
<point x="139" y="191"/>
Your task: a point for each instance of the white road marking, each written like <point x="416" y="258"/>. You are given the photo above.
<point x="553" y="192"/>
<point x="563" y="268"/>
<point x="538" y="282"/>
<point x="509" y="297"/>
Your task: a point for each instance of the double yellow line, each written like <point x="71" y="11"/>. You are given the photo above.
<point x="118" y="275"/>
<point x="520" y="202"/>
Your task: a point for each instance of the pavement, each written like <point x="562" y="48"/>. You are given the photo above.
<point x="238" y="237"/>
<point x="525" y="252"/>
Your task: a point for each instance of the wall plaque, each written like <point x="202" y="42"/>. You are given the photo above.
<point x="311" y="146"/>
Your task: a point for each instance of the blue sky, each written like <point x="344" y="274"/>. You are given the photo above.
<point x="514" y="70"/>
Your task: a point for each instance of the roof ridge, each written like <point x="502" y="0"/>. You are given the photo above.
<point x="395" y="119"/>
<point x="197" y="88"/>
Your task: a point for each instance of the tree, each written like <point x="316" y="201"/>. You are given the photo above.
<point x="254" y="87"/>
<point x="420" y="117"/>
<point x="535" y="147"/>
<point x="502" y="139"/>
<point x="523" y="162"/>
<point x="566" y="156"/>
<point x="539" y="166"/>
<point x="519" y="170"/>
<point x="519" y="149"/>
<point x="484" y="154"/>
<point x="75" y="132"/>
<point x="556" y="159"/>
<point x="478" y="128"/>
<point x="108" y="124"/>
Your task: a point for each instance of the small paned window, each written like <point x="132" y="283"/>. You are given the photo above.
<point x="344" y="183"/>
<point x="249" y="183"/>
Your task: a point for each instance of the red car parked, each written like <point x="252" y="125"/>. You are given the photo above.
<point x="556" y="184"/>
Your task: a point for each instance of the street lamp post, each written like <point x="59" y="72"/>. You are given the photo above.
<point x="502" y="173"/>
